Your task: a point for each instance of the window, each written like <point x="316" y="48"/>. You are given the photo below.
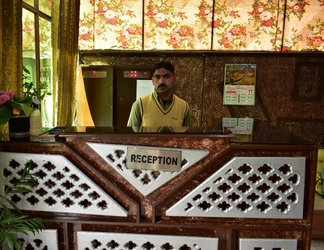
<point x="37" y="51"/>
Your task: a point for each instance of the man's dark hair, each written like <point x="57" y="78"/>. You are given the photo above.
<point x="165" y="65"/>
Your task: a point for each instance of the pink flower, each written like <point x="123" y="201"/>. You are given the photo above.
<point x="124" y="43"/>
<point x="152" y="12"/>
<point x="3" y="99"/>
<point x="258" y="10"/>
<point x="204" y="12"/>
<point x="299" y="6"/>
<point x="102" y="9"/>
<point x="234" y="31"/>
<point x="182" y="32"/>
<point x="112" y="21"/>
<point x="163" y="24"/>
<point x="185" y="32"/>
<point x="225" y="38"/>
<point x="5" y="96"/>
<point x="314" y="41"/>
<point x="268" y="23"/>
<point x="285" y="48"/>
<point x="174" y="38"/>
<point x="216" y="23"/>
<point x="318" y="41"/>
<point x="85" y="36"/>
<point x="11" y="94"/>
<point x="132" y="30"/>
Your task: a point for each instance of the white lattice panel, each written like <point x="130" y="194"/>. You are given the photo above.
<point x="119" y="241"/>
<point x="268" y="244"/>
<point x="249" y="187"/>
<point x="62" y="186"/>
<point x="145" y="181"/>
<point x="47" y="239"/>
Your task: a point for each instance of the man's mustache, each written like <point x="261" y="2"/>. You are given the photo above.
<point x="162" y="85"/>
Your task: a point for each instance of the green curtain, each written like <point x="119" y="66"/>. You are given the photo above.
<point x="65" y="35"/>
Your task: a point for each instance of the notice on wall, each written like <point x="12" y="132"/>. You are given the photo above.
<point x="239" y="84"/>
<point x="144" y="87"/>
<point x="242" y="128"/>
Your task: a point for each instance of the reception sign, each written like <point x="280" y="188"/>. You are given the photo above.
<point x="239" y="84"/>
<point x="153" y="159"/>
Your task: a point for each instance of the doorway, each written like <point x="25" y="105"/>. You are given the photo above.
<point x="125" y="90"/>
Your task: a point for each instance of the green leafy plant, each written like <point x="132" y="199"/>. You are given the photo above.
<point x="12" y="104"/>
<point x="38" y="93"/>
<point x="12" y="219"/>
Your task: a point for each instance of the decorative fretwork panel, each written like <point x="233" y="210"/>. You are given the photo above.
<point x="249" y="187"/>
<point x="268" y="244"/>
<point x="44" y="240"/>
<point x="62" y="186"/>
<point x="145" y="181"/>
<point x="98" y="240"/>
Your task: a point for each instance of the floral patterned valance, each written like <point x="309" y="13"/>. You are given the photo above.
<point x="274" y="25"/>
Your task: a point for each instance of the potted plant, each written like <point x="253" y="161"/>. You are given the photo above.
<point x="15" y="106"/>
<point x="12" y="219"/>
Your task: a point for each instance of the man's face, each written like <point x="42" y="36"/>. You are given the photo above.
<point x="163" y="81"/>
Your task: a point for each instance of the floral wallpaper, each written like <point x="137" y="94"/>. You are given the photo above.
<point x="271" y="25"/>
<point x="28" y="28"/>
<point x="248" y="25"/>
<point x="304" y="27"/>
<point x="178" y="24"/>
<point x="111" y="24"/>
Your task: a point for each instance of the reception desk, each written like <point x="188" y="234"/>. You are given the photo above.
<point x="229" y="193"/>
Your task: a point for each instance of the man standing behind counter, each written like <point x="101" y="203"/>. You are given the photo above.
<point x="162" y="107"/>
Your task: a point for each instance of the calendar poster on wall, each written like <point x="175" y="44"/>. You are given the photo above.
<point x="239" y="84"/>
<point x="242" y="128"/>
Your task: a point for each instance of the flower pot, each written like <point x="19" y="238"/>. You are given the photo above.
<point x="19" y="127"/>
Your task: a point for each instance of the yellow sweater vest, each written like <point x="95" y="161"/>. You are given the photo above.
<point x="153" y="114"/>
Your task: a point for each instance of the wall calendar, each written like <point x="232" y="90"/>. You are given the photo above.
<point x="239" y="84"/>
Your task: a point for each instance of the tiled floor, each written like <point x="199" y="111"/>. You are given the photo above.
<point x="318" y="244"/>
